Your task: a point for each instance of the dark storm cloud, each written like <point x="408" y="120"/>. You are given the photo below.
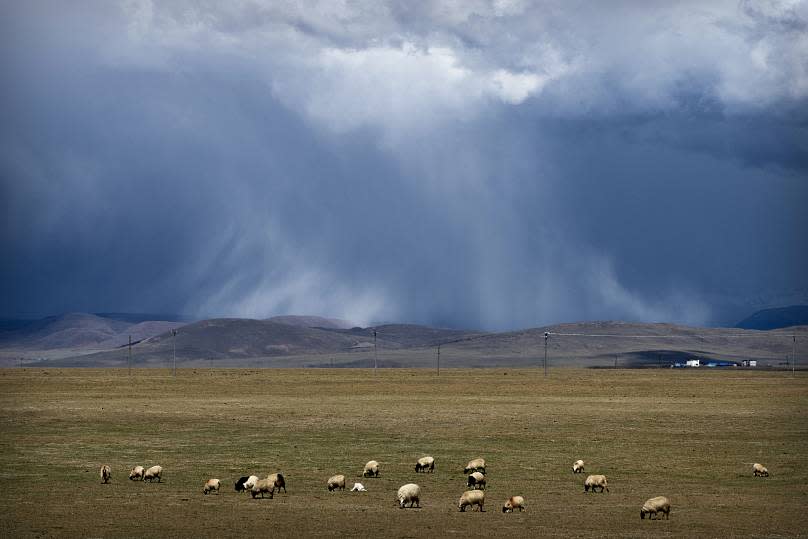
<point x="495" y="164"/>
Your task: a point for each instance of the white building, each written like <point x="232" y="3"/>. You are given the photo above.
<point x="693" y="363"/>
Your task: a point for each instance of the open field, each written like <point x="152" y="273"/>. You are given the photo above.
<point x="691" y="435"/>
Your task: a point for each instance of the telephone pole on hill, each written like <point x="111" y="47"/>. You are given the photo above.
<point x="174" y="349"/>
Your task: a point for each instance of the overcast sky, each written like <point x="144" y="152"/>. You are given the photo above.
<point x="491" y="164"/>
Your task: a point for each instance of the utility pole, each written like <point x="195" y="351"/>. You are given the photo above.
<point x="793" y="354"/>
<point x="375" y="356"/>
<point x="438" y="360"/>
<point x="129" y="360"/>
<point x="174" y="349"/>
<point x="546" y="337"/>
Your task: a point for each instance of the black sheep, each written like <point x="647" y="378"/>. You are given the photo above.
<point x="240" y="484"/>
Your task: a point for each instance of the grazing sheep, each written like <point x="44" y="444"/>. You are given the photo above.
<point x="155" y="472"/>
<point x="424" y="464"/>
<point x="476" y="481"/>
<point x="277" y="481"/>
<point x="759" y="470"/>
<point x="250" y="482"/>
<point x="262" y="486"/>
<point x="211" y="485"/>
<point x="371" y="469"/>
<point x="336" y="482"/>
<point x="656" y="505"/>
<point x="514" y="502"/>
<point x="476" y="465"/>
<point x="106" y="473"/>
<point x="240" y="484"/>
<point x="409" y="493"/>
<point x="578" y="466"/>
<point x="358" y="487"/>
<point x="596" y="481"/>
<point x="136" y="474"/>
<point x="470" y="498"/>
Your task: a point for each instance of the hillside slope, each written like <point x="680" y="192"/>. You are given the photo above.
<point x="72" y="330"/>
<point x="262" y="343"/>
<point x="783" y="317"/>
<point x="312" y="321"/>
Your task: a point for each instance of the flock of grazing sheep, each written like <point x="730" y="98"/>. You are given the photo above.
<point x="411" y="492"/>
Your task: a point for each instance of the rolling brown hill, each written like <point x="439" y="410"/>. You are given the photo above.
<point x="265" y="343"/>
<point x="72" y="330"/>
<point x="632" y="344"/>
<point x="236" y="340"/>
<point x="312" y="321"/>
<point x="73" y="334"/>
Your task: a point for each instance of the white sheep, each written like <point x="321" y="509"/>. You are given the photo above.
<point x="155" y="472"/>
<point x="512" y="503"/>
<point x="211" y="485"/>
<point x="470" y="498"/>
<point x="578" y="466"/>
<point x="596" y="481"/>
<point x="476" y="481"/>
<point x="358" y="487"/>
<point x="261" y="487"/>
<point x="106" y="473"/>
<point x="336" y="482"/>
<point x="476" y="465"/>
<point x="371" y="469"/>
<point x="652" y="506"/>
<point x="250" y="482"/>
<point x="759" y="470"/>
<point x="425" y="463"/>
<point x="409" y="493"/>
<point x="278" y="481"/>
<point x="136" y="474"/>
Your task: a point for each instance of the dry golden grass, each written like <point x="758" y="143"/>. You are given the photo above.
<point x="690" y="435"/>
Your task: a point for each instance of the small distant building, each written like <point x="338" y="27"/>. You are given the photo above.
<point x="693" y="363"/>
<point x="749" y="363"/>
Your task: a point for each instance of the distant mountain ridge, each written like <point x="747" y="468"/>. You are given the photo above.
<point x="781" y="317"/>
<point x="79" y="339"/>
<point x="78" y="331"/>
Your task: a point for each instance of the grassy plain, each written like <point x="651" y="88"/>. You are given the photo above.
<point x="691" y="435"/>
